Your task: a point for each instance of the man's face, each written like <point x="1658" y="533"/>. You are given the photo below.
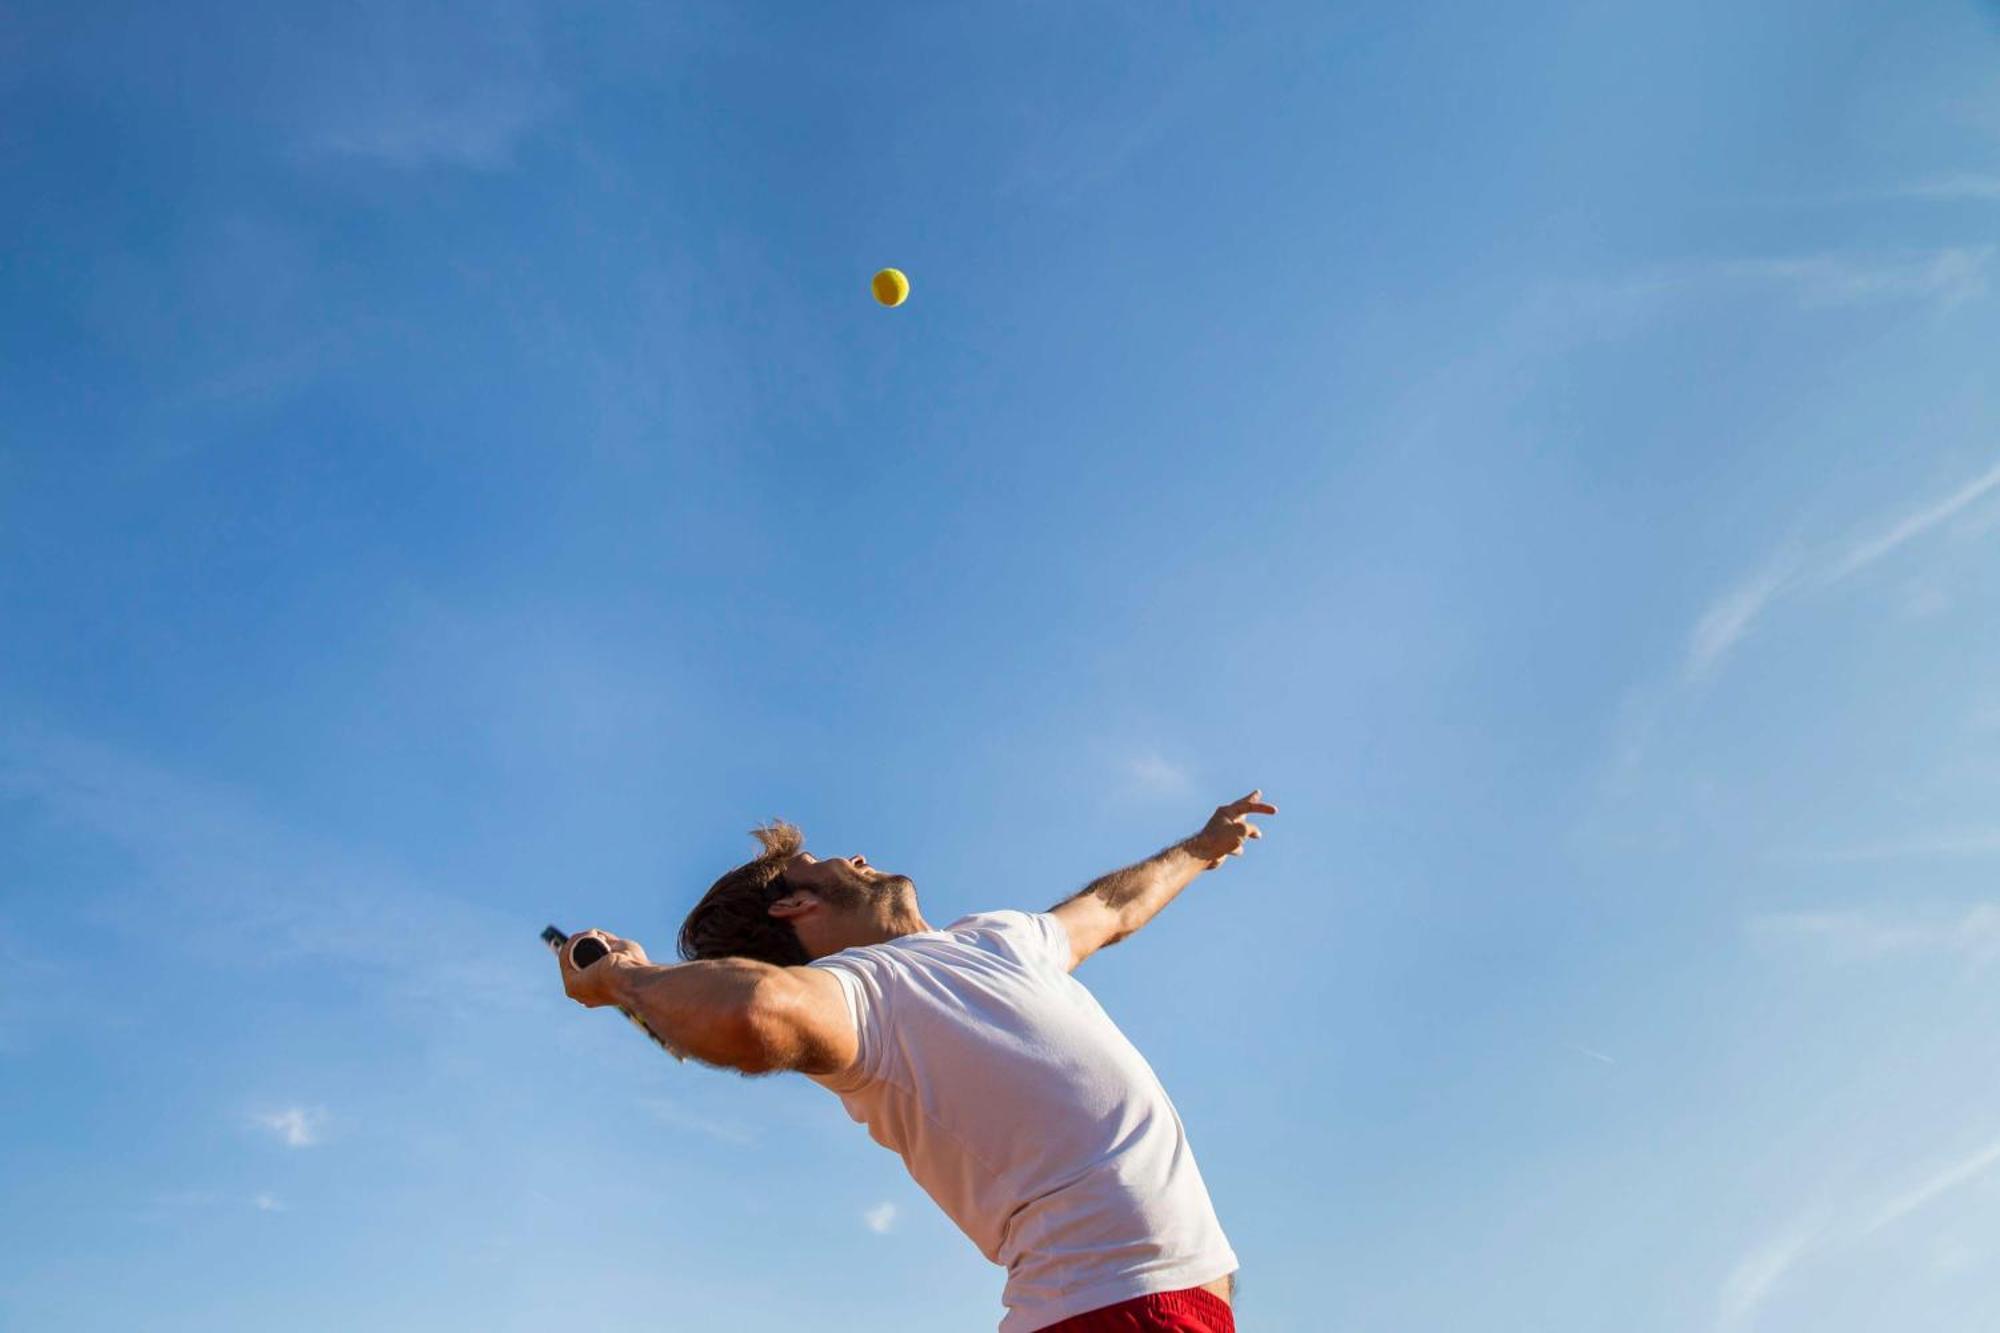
<point x="844" y="882"/>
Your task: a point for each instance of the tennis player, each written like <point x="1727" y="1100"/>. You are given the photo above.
<point x="971" y="1052"/>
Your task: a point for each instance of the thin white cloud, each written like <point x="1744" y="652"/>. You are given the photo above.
<point x="206" y="858"/>
<point x="173" y="1206"/>
<point x="433" y="88"/>
<point x="1961" y="1172"/>
<point x="259" y="378"/>
<point x="880" y="1218"/>
<point x="1598" y="1056"/>
<point x="1843" y="1233"/>
<point x="268" y="1203"/>
<point x="33" y="989"/>
<point x="1972" y="933"/>
<point x="1922" y="601"/>
<point x="1725" y="623"/>
<point x="1159" y="776"/>
<point x="670" y="1113"/>
<point x="1949" y="843"/>
<point x="1964" y="185"/>
<point x="1951" y="1255"/>
<point x="1912" y="526"/>
<point x="1947" y="276"/>
<point x="293" y="1126"/>
<point x="1755" y="1276"/>
<point x="480" y="133"/>
<point x="1731" y="617"/>
<point x="1095" y="130"/>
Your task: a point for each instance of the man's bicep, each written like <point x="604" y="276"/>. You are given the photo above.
<point x="1091" y="922"/>
<point x="822" y="1023"/>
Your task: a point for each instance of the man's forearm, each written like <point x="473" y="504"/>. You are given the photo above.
<point x="1138" y="892"/>
<point x="707" y="1010"/>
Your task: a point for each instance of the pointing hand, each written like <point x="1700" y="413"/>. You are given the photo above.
<point x="1228" y="829"/>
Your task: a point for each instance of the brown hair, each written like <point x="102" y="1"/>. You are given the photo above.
<point x="733" y="920"/>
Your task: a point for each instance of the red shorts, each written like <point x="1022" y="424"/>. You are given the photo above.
<point x="1191" y="1310"/>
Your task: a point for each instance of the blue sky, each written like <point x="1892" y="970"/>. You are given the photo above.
<point x="453" y="478"/>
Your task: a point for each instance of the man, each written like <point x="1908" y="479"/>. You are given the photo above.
<point x="972" y="1052"/>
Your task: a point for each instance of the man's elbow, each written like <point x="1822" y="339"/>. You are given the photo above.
<point x="1119" y="926"/>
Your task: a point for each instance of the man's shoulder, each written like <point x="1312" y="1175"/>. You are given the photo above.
<point x="1003" y="918"/>
<point x="1032" y="937"/>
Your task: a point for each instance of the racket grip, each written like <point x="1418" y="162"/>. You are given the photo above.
<point x="586" y="952"/>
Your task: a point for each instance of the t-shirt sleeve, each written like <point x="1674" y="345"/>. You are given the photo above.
<point x="861" y="986"/>
<point x="1038" y="939"/>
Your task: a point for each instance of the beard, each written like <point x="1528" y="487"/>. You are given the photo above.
<point x="845" y="897"/>
<point x="897" y="887"/>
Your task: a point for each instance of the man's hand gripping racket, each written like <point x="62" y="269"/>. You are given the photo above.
<point x="580" y="956"/>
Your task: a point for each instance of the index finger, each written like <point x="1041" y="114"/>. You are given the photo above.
<point x="1254" y="804"/>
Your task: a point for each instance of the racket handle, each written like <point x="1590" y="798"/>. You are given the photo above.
<point x="587" y="951"/>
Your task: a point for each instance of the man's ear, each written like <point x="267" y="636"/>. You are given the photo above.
<point x="799" y="902"/>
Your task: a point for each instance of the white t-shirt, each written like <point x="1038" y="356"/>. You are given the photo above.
<point x="1020" y="1108"/>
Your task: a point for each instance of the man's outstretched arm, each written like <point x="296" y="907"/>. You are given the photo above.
<point x="1110" y="908"/>
<point x="734" y="1012"/>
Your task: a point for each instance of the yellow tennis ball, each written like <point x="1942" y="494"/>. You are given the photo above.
<point x="891" y="287"/>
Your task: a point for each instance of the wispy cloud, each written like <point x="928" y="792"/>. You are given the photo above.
<point x="880" y="1218"/>
<point x="1730" y="618"/>
<point x="1725" y="622"/>
<point x="174" y="1206"/>
<point x="1947" y="844"/>
<point x="1091" y="133"/>
<point x="1951" y="1255"/>
<point x="1921" y="601"/>
<point x="31" y="987"/>
<point x="1841" y="1232"/>
<point x="1947" y="276"/>
<point x="1598" y="1056"/>
<point x="1963" y="185"/>
<point x="1158" y="776"/>
<point x="436" y="89"/>
<point x="1952" y="1176"/>
<point x="1944" y="276"/>
<point x="1759" y="1272"/>
<point x="268" y="1203"/>
<point x="203" y="856"/>
<point x="480" y="131"/>
<point x="293" y="1126"/>
<point x="1913" y="525"/>
<point x="668" y="1112"/>
<point x="1970" y="933"/>
<point x="235" y="312"/>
